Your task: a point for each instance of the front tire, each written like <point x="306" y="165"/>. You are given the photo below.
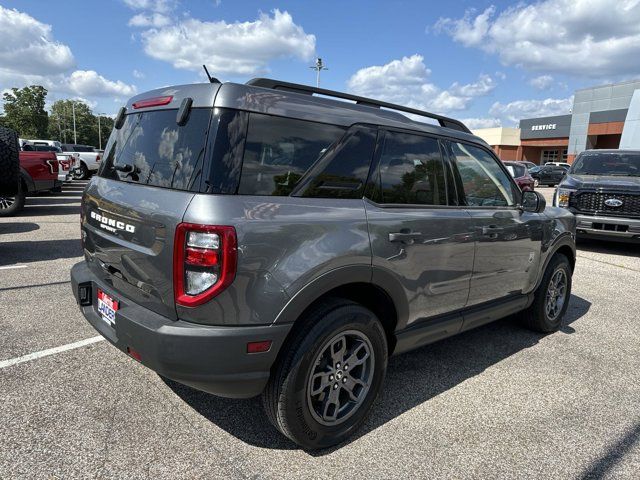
<point x="323" y="387"/>
<point x="551" y="298"/>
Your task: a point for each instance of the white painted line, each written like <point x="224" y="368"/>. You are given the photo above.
<point x="50" y="351"/>
<point x="12" y="267"/>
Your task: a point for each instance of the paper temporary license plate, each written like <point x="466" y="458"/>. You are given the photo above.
<point x="107" y="306"/>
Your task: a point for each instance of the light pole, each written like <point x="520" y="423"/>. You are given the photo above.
<point x="73" y="108"/>
<point x="318" y="67"/>
<point x="99" y="132"/>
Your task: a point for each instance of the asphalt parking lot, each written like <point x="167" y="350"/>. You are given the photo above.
<point x="496" y="402"/>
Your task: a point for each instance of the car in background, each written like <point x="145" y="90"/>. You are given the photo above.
<point x="65" y="160"/>
<point x="602" y="189"/>
<point x="548" y="174"/>
<point x="527" y="164"/>
<point x="38" y="173"/>
<point x="559" y="164"/>
<point x="86" y="159"/>
<point x="521" y="175"/>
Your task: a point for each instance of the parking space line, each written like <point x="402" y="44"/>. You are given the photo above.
<point x="10" y="267"/>
<point x="50" y="351"/>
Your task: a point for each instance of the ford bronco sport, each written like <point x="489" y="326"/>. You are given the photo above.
<point x="259" y="238"/>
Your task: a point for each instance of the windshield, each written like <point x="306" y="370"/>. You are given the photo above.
<point x="152" y="149"/>
<point x="617" y="163"/>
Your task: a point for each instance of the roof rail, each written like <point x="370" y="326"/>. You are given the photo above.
<point x="308" y="90"/>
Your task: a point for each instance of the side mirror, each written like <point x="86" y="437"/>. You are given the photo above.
<point x="533" y="202"/>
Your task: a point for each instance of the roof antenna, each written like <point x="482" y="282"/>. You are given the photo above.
<point x="211" y="79"/>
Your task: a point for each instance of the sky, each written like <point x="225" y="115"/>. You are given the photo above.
<point x="488" y="63"/>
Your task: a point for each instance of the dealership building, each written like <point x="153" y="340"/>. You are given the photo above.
<point x="602" y="117"/>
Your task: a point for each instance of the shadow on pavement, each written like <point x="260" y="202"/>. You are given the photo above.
<point x="412" y="379"/>
<point x="18" y="227"/>
<point x="602" y="466"/>
<point x="35" y="251"/>
<point x="609" y="247"/>
<point x="50" y="208"/>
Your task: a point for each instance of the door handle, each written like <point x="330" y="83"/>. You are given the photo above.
<point x="404" y="237"/>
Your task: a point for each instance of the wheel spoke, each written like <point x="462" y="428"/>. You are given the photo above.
<point x="338" y="349"/>
<point x="331" y="405"/>
<point x="354" y="359"/>
<point x="350" y="385"/>
<point x="319" y="382"/>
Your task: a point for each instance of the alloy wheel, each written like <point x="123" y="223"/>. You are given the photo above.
<point x="556" y="294"/>
<point x="7" y="202"/>
<point x="341" y="377"/>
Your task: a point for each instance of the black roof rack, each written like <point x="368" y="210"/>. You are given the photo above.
<point x="306" y="89"/>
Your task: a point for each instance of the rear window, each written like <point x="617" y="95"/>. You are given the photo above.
<point x="516" y="170"/>
<point x="151" y="149"/>
<point x="83" y="148"/>
<point x="278" y="151"/>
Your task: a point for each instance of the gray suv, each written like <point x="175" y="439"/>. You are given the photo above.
<point x="259" y="238"/>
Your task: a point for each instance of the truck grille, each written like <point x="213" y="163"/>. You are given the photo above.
<point x="593" y="203"/>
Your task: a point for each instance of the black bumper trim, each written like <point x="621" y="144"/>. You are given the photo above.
<point x="209" y="358"/>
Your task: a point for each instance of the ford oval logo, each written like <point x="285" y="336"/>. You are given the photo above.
<point x="613" y="202"/>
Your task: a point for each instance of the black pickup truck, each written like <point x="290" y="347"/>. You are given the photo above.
<point x="602" y="189"/>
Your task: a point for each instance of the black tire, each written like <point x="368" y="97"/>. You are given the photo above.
<point x="9" y="162"/>
<point x="82" y="172"/>
<point x="537" y="317"/>
<point x="287" y="398"/>
<point x="10" y="205"/>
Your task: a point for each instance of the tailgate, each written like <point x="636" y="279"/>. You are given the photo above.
<point x="128" y="233"/>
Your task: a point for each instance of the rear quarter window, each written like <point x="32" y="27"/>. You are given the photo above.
<point x="278" y="151"/>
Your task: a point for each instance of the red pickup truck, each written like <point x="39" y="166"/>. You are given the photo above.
<point x="38" y="172"/>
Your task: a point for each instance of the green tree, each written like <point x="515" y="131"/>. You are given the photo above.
<point x="61" y="122"/>
<point x="24" y="111"/>
<point x="106" y="125"/>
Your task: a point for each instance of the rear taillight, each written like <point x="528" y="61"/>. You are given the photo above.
<point x="53" y="165"/>
<point x="204" y="262"/>
<point x="97" y="158"/>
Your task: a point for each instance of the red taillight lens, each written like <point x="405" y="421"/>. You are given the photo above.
<point x="153" y="102"/>
<point x="98" y="159"/>
<point x="201" y="257"/>
<point x="204" y="262"/>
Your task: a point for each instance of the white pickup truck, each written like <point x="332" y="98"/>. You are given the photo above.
<point x="86" y="159"/>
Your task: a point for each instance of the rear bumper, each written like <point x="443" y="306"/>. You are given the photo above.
<point x="612" y="228"/>
<point x="213" y="359"/>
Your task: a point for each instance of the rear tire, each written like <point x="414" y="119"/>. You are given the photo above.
<point x="9" y="162"/>
<point x="10" y="205"/>
<point x="314" y="397"/>
<point x="551" y="298"/>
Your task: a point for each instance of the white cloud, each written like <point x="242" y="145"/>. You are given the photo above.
<point x="138" y="74"/>
<point x="242" y="48"/>
<point x="593" y="38"/>
<point x="89" y="82"/>
<point x="513" y="112"/>
<point x="29" y="55"/>
<point x="27" y="46"/>
<point x="406" y="82"/>
<point x="475" y="123"/>
<point x="543" y="82"/>
<point x="155" y="20"/>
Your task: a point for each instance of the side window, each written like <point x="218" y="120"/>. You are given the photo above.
<point x="278" y="151"/>
<point x="342" y="171"/>
<point x="411" y="170"/>
<point x="483" y="181"/>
